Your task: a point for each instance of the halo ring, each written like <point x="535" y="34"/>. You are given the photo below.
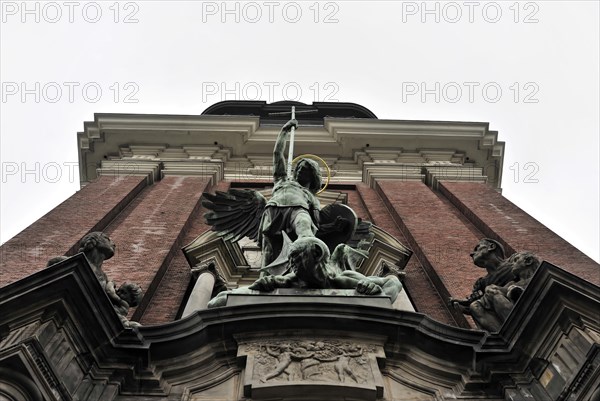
<point x="317" y="158"/>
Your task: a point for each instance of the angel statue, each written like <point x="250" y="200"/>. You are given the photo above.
<point x="293" y="209"/>
<point x="291" y="214"/>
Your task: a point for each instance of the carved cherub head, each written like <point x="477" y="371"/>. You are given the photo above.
<point x="130" y="293"/>
<point x="308" y="174"/>
<point x="308" y="260"/>
<point x="99" y="241"/>
<point x="524" y="264"/>
<point x="486" y="252"/>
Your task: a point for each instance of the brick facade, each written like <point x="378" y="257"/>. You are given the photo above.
<point x="422" y="293"/>
<point x="151" y="231"/>
<point x="440" y="240"/>
<point x="60" y="230"/>
<point x="500" y="219"/>
<point x="168" y="296"/>
<point x="150" y="225"/>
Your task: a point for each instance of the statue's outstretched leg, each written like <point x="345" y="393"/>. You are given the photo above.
<point x="271" y="248"/>
<point x="392" y="287"/>
<point x="277" y="266"/>
<point x="303" y="225"/>
<point x="267" y="254"/>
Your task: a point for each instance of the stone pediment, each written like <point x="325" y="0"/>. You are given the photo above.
<point x="59" y="331"/>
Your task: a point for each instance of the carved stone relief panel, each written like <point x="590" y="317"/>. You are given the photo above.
<point x="327" y="367"/>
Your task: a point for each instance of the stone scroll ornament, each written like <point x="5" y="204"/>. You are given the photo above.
<point x="303" y="246"/>
<point x="98" y="247"/>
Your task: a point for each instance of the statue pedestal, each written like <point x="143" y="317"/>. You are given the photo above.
<point x="299" y="295"/>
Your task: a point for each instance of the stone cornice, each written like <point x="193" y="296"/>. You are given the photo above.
<point x="244" y="144"/>
<point x="68" y="299"/>
<point x="169" y="122"/>
<point x="402" y="128"/>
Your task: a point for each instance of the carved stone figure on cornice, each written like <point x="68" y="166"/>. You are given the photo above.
<point x="489" y="255"/>
<point x="128" y="295"/>
<point x="98" y="247"/>
<point x="497" y="301"/>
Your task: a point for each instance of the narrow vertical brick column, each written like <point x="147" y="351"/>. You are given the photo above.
<point x="59" y="231"/>
<point x="440" y="240"/>
<point x="502" y="220"/>
<point x="167" y="299"/>
<point x="426" y="298"/>
<point x="150" y="232"/>
<point x="356" y="203"/>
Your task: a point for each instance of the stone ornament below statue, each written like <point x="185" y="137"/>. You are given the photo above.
<point x="495" y="294"/>
<point x="285" y="367"/>
<point x="98" y="247"/>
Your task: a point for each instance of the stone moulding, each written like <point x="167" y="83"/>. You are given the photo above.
<point x="233" y="146"/>
<point x="63" y="313"/>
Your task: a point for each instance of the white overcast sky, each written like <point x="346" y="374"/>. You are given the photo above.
<point x="181" y="57"/>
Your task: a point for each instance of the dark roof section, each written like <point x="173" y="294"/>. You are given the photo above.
<point x="264" y="110"/>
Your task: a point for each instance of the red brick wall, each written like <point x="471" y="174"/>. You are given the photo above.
<point x="167" y="299"/>
<point x="150" y="224"/>
<point x="356" y="203"/>
<point x="425" y="297"/>
<point x="500" y="219"/>
<point x="60" y="230"/>
<point x="169" y="295"/>
<point x="441" y="241"/>
<point x="150" y="231"/>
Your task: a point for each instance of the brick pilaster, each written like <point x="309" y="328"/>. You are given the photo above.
<point x="502" y="220"/>
<point x="60" y="230"/>
<point x="168" y="296"/>
<point x="426" y="298"/>
<point x="441" y="241"/>
<point x="151" y="231"/>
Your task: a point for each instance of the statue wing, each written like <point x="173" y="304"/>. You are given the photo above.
<point x="363" y="236"/>
<point x="347" y="258"/>
<point x="235" y="214"/>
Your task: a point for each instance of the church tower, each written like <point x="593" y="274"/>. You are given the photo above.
<point x="430" y="189"/>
